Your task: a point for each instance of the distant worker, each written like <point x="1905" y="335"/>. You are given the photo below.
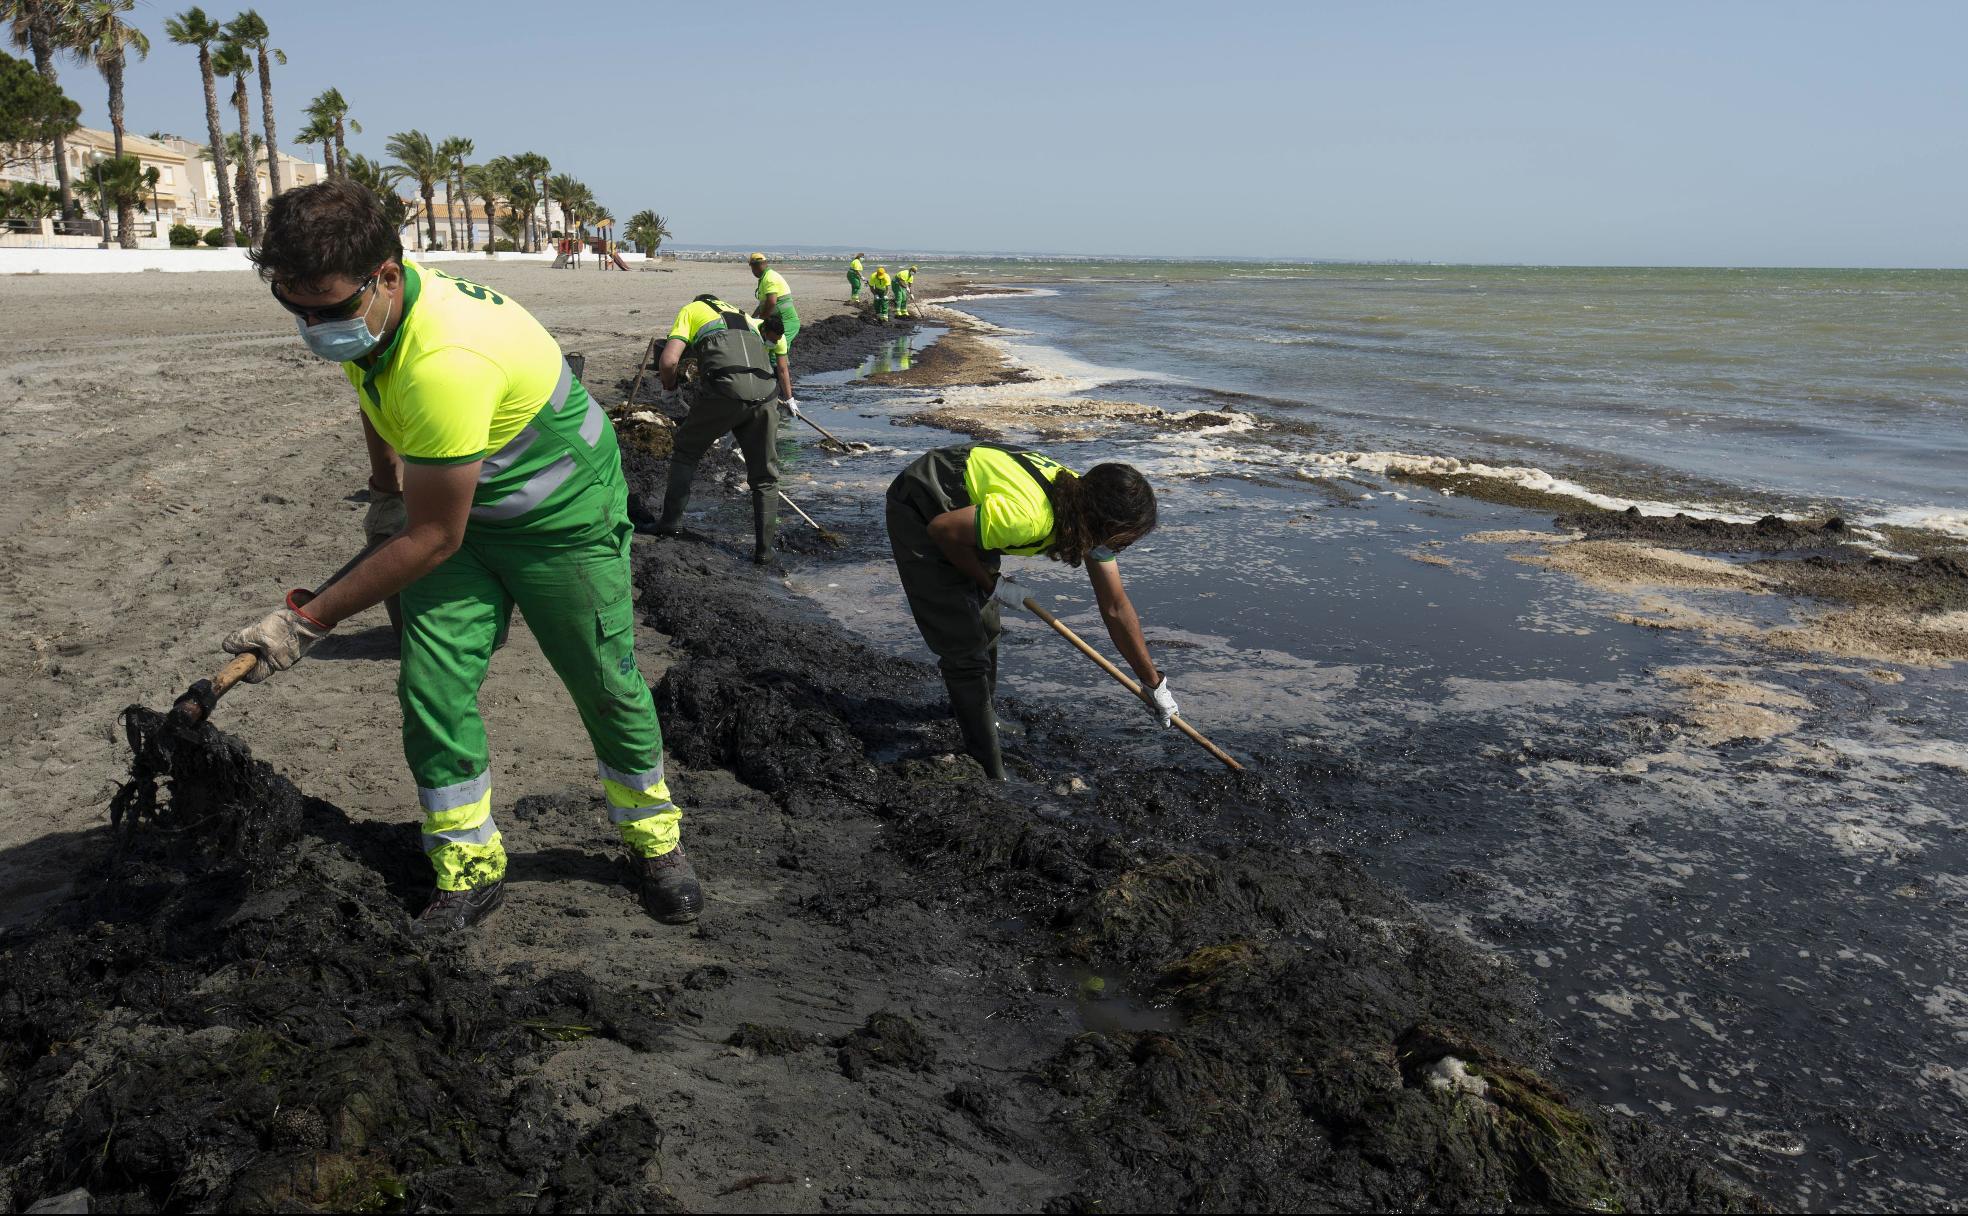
<point x="878" y="284"/>
<point x="854" y="279"/>
<point x="904" y="279"/>
<point x="512" y="496"/>
<point x="955" y="511"/>
<point x="775" y="299"/>
<point x="736" y="372"/>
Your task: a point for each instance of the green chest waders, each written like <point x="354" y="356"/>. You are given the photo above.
<point x="549" y="534"/>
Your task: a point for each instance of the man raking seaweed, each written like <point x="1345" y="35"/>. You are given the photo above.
<point x="513" y="496"/>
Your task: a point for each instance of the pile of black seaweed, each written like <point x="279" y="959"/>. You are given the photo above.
<point x="230" y="1014"/>
<point x="1332" y="1051"/>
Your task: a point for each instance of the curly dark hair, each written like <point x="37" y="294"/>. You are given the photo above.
<point x="313" y="233"/>
<point x="1112" y="505"/>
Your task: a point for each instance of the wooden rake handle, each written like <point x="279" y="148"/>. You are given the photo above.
<point x="843" y="444"/>
<point x="1126" y="680"/>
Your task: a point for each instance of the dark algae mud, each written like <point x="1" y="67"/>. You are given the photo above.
<point x="1169" y="994"/>
<point x="230" y="1015"/>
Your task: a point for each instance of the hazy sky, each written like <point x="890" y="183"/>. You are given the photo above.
<point x="1647" y="133"/>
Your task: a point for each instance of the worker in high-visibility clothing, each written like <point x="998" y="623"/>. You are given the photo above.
<point x="740" y="361"/>
<point x="513" y="496"/>
<point x="854" y="279"/>
<point x="955" y="512"/>
<point x="878" y="285"/>
<point x="775" y="299"/>
<point x="904" y="281"/>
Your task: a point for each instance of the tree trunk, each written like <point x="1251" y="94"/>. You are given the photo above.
<point x="266" y="120"/>
<point x="216" y="133"/>
<point x="341" y="148"/>
<point x="249" y="172"/>
<point x="126" y="209"/>
<point x="471" y="234"/>
<point x="430" y="212"/>
<point x="41" y="42"/>
<point x="491" y="224"/>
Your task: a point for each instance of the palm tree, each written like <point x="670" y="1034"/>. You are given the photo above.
<point x="563" y="189"/>
<point x="383" y="180"/>
<point x="31" y="201"/>
<point x="105" y="39"/>
<point x="335" y="108"/>
<point x="454" y="151"/>
<point x="603" y="221"/>
<point x="250" y="31"/>
<point x="535" y="167"/>
<point x="241" y="159"/>
<point x="44" y="27"/>
<point x="234" y="60"/>
<point x="522" y="196"/>
<point x="487" y="180"/>
<point x="419" y="158"/>
<point x="193" y="28"/>
<point x="647" y="230"/>
<point x="320" y="130"/>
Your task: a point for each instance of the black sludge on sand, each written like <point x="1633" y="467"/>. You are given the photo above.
<point x="230" y="1015"/>
<point x="1319" y="1046"/>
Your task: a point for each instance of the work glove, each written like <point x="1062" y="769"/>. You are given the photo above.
<point x="385" y="518"/>
<point x="280" y="638"/>
<point x="1009" y="592"/>
<point x="1163" y="707"/>
<point x="789" y="408"/>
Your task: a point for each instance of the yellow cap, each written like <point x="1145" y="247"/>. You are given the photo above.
<point x="757" y="257"/>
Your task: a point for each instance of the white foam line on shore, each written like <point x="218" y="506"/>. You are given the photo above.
<point x="1031" y="293"/>
<point x="1327" y="464"/>
<point x="1945" y="520"/>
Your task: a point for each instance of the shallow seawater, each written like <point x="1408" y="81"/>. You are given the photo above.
<point x="1760" y="942"/>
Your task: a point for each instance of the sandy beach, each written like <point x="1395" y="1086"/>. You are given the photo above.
<point x="1125" y="980"/>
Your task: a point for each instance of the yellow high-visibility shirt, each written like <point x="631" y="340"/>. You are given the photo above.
<point x="466" y="371"/>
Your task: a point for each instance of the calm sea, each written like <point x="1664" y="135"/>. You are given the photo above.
<point x="1801" y="389"/>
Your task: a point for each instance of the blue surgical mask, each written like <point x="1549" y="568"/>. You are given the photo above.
<point x="340" y="341"/>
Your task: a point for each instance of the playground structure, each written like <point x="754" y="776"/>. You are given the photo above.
<point x="567" y="253"/>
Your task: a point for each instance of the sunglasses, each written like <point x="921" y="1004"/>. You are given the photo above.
<point x="341" y="310"/>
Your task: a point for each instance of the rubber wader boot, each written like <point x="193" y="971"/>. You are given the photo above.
<point x="676" y="493"/>
<point x="765" y="525"/>
<point x="970" y="702"/>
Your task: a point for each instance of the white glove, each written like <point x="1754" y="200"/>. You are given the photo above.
<point x="790" y="407"/>
<point x="280" y="638"/>
<point x="1163" y="708"/>
<point x="1009" y="592"/>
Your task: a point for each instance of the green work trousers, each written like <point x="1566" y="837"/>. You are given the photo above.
<point x="577" y="602"/>
<point x="853" y="287"/>
<point x="901" y="294"/>
<point x="881" y="301"/>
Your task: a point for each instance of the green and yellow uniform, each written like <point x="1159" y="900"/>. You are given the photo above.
<point x="904" y="280"/>
<point x="878" y="285"/>
<point x="469" y="375"/>
<point x="772" y="283"/>
<point x="1014" y="516"/>
<point x="854" y="281"/>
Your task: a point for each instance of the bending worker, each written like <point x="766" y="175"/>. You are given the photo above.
<point x="904" y="280"/>
<point x="955" y="511"/>
<point x="513" y="494"/>
<point x="775" y="299"/>
<point x="740" y="360"/>
<point x="878" y="287"/>
<point x="854" y="279"/>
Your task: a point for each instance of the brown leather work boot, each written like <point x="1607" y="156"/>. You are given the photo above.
<point x="455" y="911"/>
<point x="670" y="891"/>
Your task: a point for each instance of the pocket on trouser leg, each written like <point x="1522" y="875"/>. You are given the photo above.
<point x="461" y="838"/>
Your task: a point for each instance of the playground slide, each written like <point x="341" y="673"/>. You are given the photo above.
<point x="617" y="259"/>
